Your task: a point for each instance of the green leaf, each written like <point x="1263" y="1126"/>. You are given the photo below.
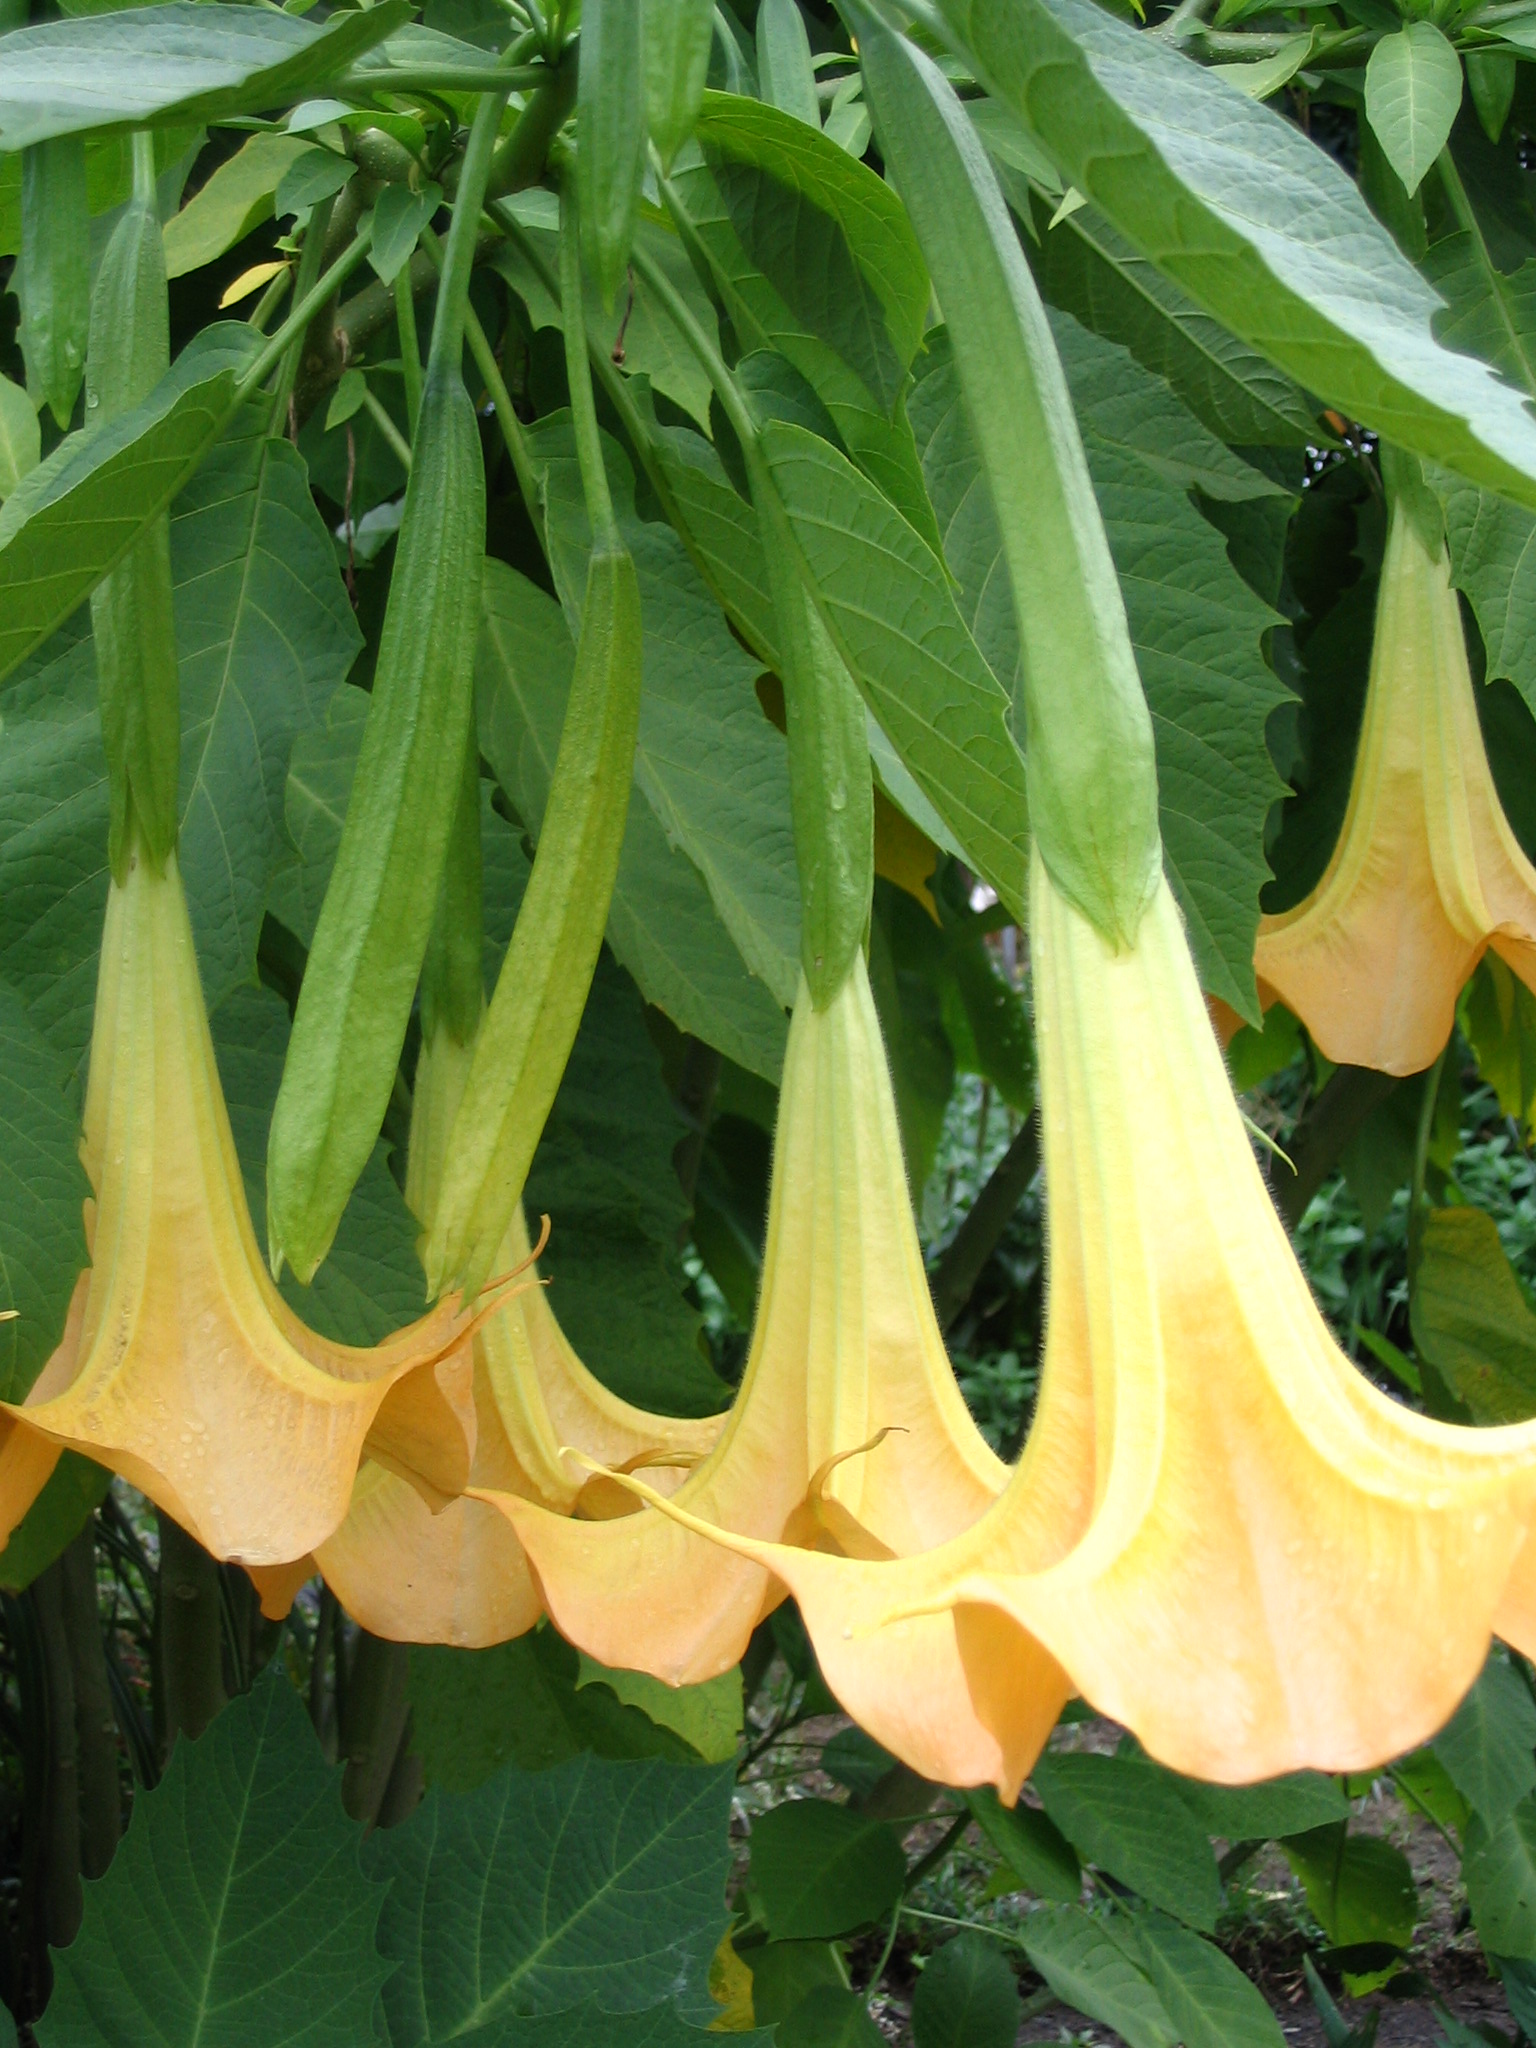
<point x="1195" y="625"/>
<point x="1360" y="1888"/>
<point x="71" y="1495"/>
<point x="170" y="63"/>
<point x="1254" y="221"/>
<point x="1211" y="2003"/>
<point x="264" y="634"/>
<point x="828" y="2017"/>
<point x="713" y="769"/>
<point x="321" y="766"/>
<point x="708" y="1716"/>
<point x="399" y="215"/>
<point x="1260" y="1813"/>
<point x="1499" y="1871"/>
<point x="786" y="1973"/>
<point x="662" y="924"/>
<point x="812" y="255"/>
<point x="230" y="204"/>
<point x="475" y="1711"/>
<point x="1031" y="1845"/>
<point x="80" y="511"/>
<point x="822" y="1870"/>
<point x="1088" y="1970"/>
<point x="967" y="1997"/>
<point x="235" y="1909"/>
<point x="1488" y="1747"/>
<point x="1412" y="96"/>
<point x="1126" y="1815"/>
<point x="42" y="1191"/>
<point x="317" y="174"/>
<point x="591" y="1881"/>
<point x="371" y="1282"/>
<point x="1093" y="273"/>
<point x="108" y="175"/>
<point x="20" y="436"/>
<point x="920" y="670"/>
<point x="1470" y="1317"/>
<point x="785" y="75"/>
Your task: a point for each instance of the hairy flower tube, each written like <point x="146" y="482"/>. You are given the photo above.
<point x="1222" y="1534"/>
<point x="182" y="1367"/>
<point x="461" y="1576"/>
<point x="1426" y="874"/>
<point x="845" y="1347"/>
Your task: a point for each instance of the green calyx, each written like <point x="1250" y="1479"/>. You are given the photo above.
<point x="1090" y="762"/>
<point x="132" y="618"/>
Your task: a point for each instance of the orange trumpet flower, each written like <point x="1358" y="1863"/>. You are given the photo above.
<point x="1426" y="874"/>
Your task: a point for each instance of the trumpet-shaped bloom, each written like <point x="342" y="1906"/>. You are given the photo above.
<point x="182" y="1366"/>
<point x="1223" y="1534"/>
<point x="845" y="1347"/>
<point x="461" y="1576"/>
<point x="1426" y="874"/>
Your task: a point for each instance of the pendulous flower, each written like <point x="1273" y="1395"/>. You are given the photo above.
<point x="845" y="1348"/>
<point x="1426" y="874"/>
<point x="461" y="1576"/>
<point x="182" y="1367"/>
<point x="1219" y="1532"/>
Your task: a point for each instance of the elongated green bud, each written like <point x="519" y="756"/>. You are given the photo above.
<point x="610" y="135"/>
<point x="831" y="794"/>
<point x="452" y="984"/>
<point x="371" y="938"/>
<point x="55" y="270"/>
<point x="132" y="615"/>
<point x="676" y="36"/>
<point x="1091" y="769"/>
<point x="531" y="1025"/>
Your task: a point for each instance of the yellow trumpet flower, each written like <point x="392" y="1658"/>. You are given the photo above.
<point x="182" y="1367"/>
<point x="1222" y="1534"/>
<point x="845" y="1346"/>
<point x="461" y="1576"/>
<point x="1426" y="874"/>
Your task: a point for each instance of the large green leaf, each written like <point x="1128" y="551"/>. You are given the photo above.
<point x="475" y="1711"/>
<point x="264" y="634"/>
<point x="171" y="63"/>
<point x="1089" y="1970"/>
<point x="1209" y="2000"/>
<point x="712" y="768"/>
<point x="1412" y="94"/>
<point x="321" y="766"/>
<point x="1092" y="272"/>
<point x="812" y="255"/>
<point x="821" y="1870"/>
<point x="235" y="1910"/>
<point x="80" y="511"/>
<point x="1195" y="624"/>
<point x="591" y="1882"/>
<point x="1471" y="1319"/>
<point x="1280" y="1806"/>
<point x="889" y="607"/>
<point x="1030" y="1843"/>
<point x="967" y="1997"/>
<point x="42" y="1191"/>
<point x="1127" y="1816"/>
<point x="1360" y="1888"/>
<point x="1488" y="1747"/>
<point x="1499" y="1871"/>
<point x="662" y="924"/>
<point x="1255" y="222"/>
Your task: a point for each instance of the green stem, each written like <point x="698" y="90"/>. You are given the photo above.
<point x="463" y="232"/>
<point x="373" y="1723"/>
<point x="520" y="160"/>
<point x="387" y="427"/>
<point x="271" y="299"/>
<point x="958" y="1270"/>
<point x="410" y="344"/>
<point x="885" y="1954"/>
<point x="513" y="438"/>
<point x="145" y="189"/>
<point x="681" y="314"/>
<point x="308" y="302"/>
<point x="310" y="260"/>
<point x="61" y="1899"/>
<point x="191" y="1647"/>
<point x="589" y="447"/>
